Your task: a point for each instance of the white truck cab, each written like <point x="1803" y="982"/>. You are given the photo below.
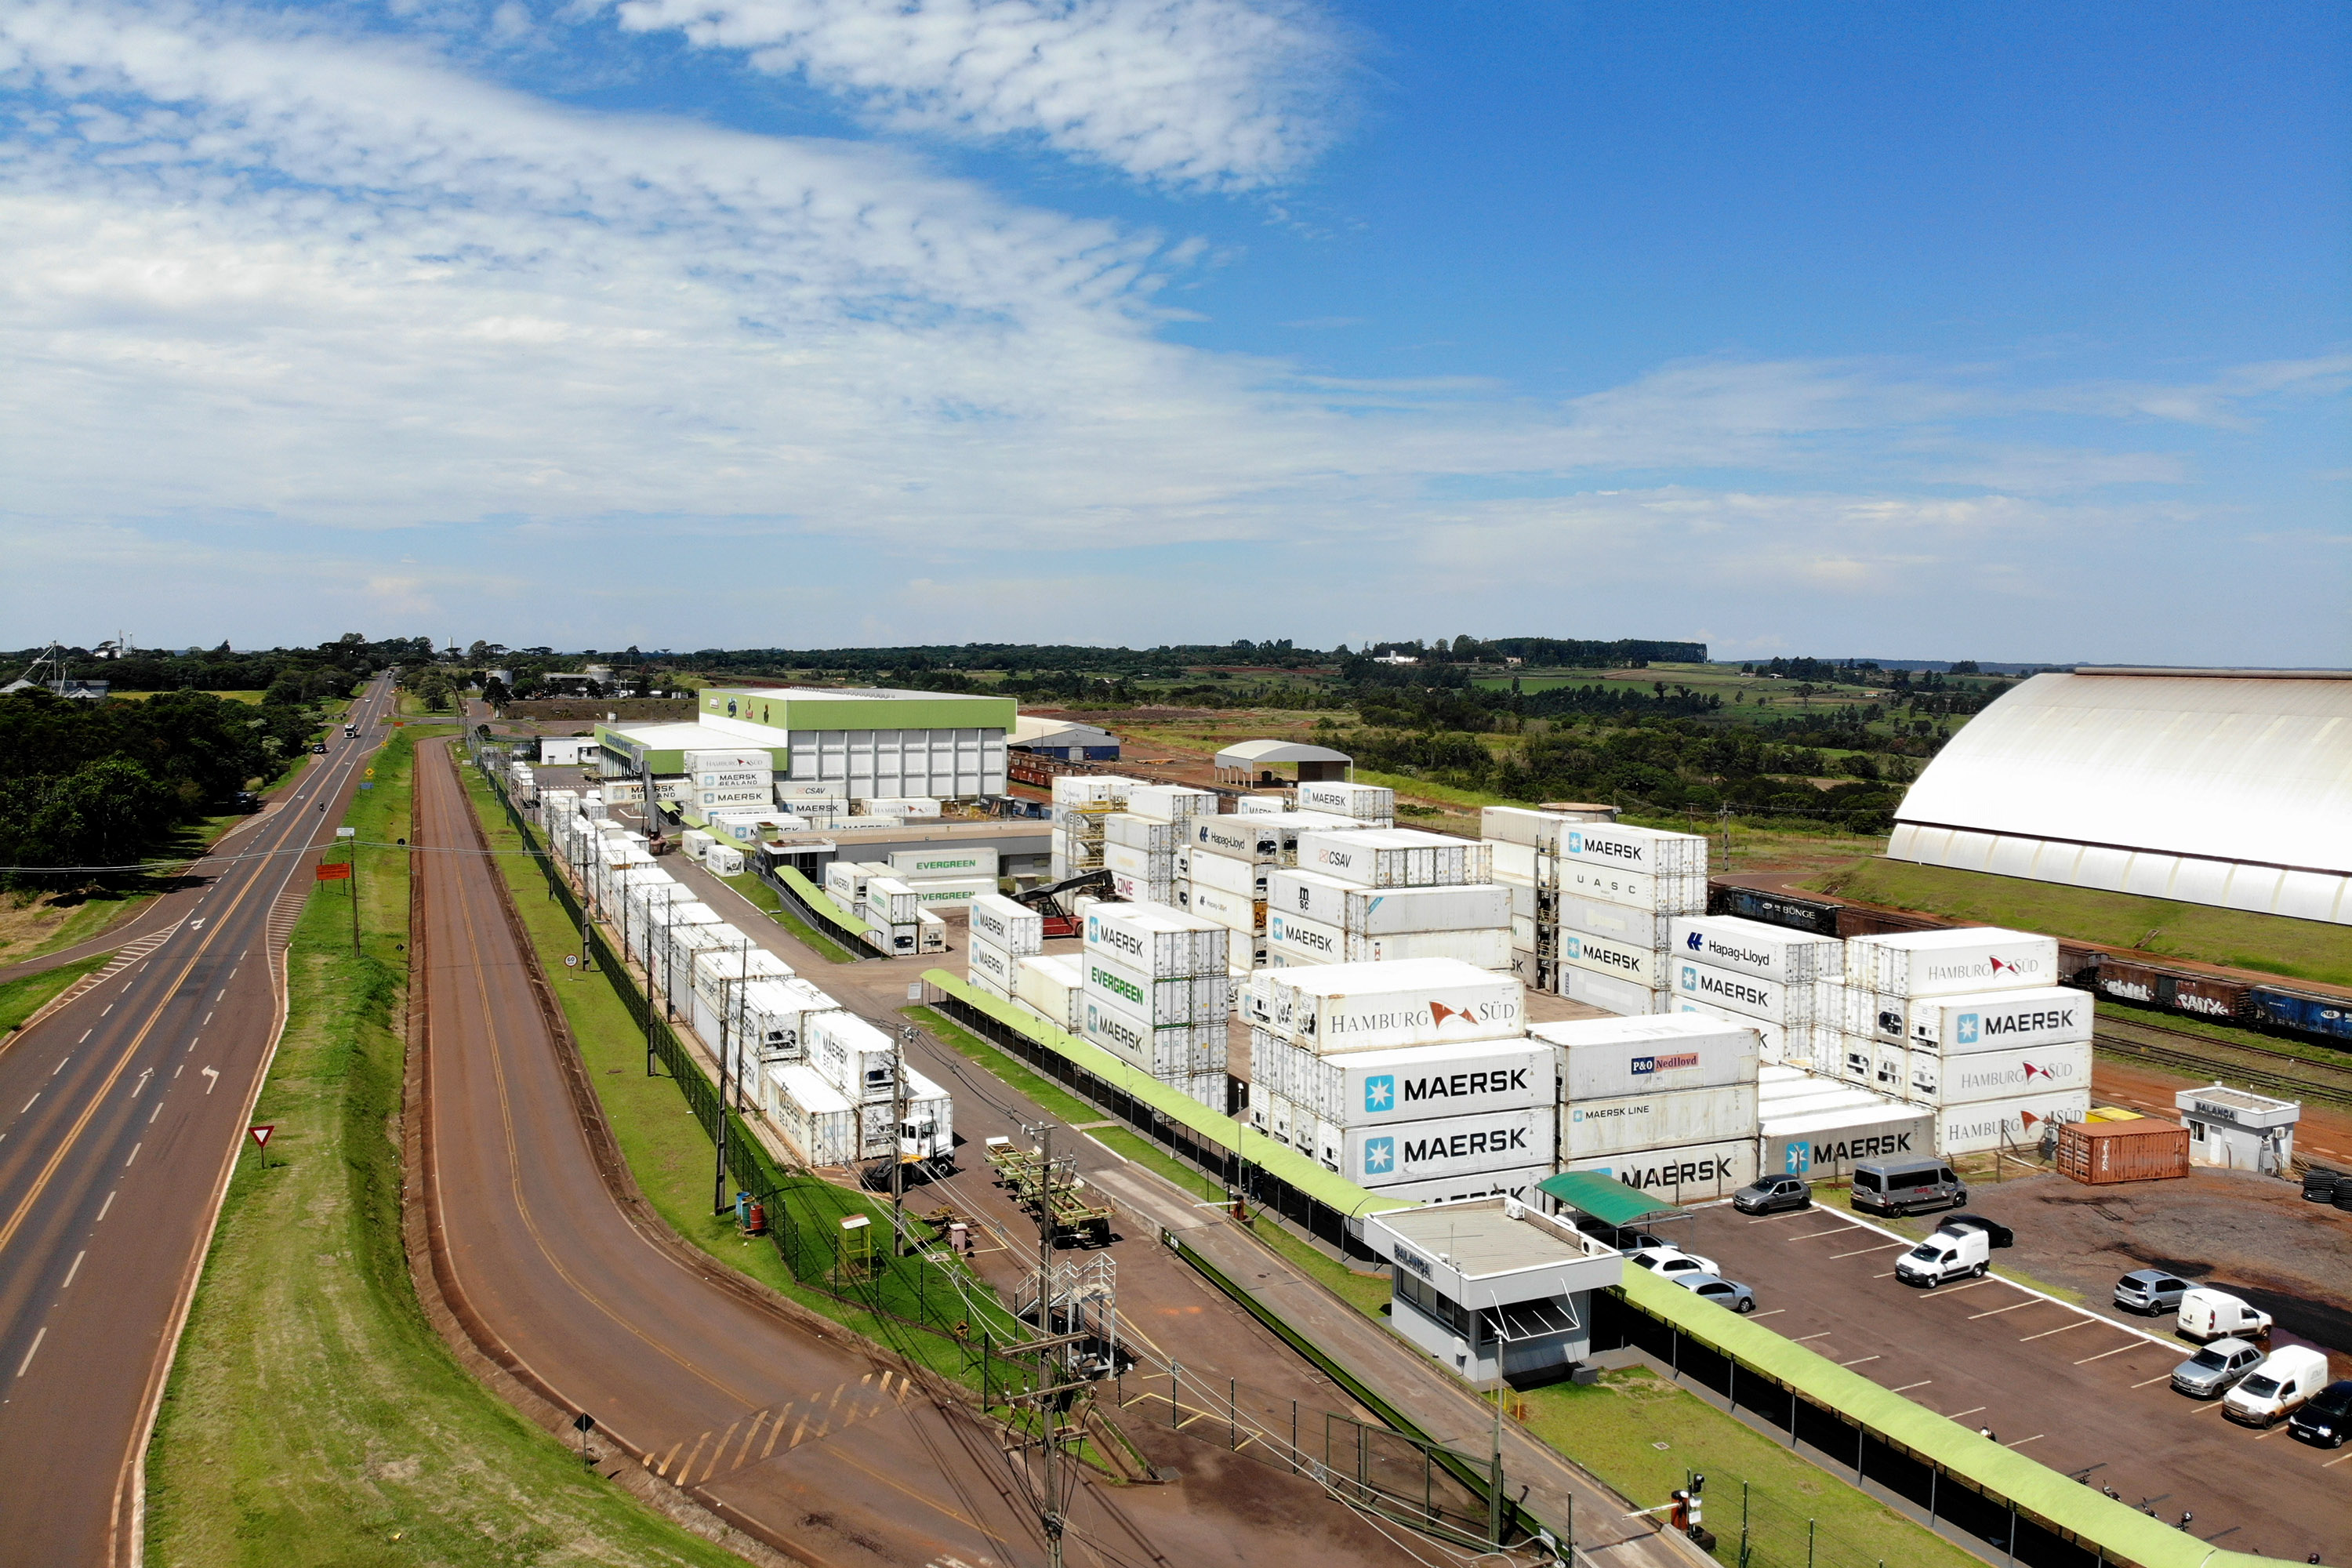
<point x="1960" y="1248"/>
<point x="2281" y="1385"/>
<point x="2208" y="1314"/>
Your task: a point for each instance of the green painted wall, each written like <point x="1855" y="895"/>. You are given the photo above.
<point x="780" y="710"/>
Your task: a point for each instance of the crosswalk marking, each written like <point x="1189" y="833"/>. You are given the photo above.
<point x="823" y="1414"/>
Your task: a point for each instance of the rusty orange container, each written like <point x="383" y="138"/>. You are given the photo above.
<point x="2097" y="1152"/>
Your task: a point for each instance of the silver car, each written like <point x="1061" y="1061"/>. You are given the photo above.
<point x="1723" y="1292"/>
<point x="2215" y="1369"/>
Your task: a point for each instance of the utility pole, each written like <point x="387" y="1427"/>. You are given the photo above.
<point x="1051" y="1517"/>
<point x="898" y="1148"/>
<point x="719" y="1204"/>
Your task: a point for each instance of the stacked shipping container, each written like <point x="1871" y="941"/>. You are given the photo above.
<point x="1591" y="902"/>
<point x="1666" y="1104"/>
<point x="1155" y="993"/>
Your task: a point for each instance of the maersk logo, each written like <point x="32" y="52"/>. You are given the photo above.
<point x="1728" y="987"/>
<point x="1968" y="1027"/>
<point x="2023" y="1023"/>
<point x="1455" y="1086"/>
<point x="1380" y="1156"/>
<point x="1690" y="972"/>
<point x="1380" y="1092"/>
<point x="1575" y="948"/>
<point x="1621" y="851"/>
<point x="1459" y="1146"/>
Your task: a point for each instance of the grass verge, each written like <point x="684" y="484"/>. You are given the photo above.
<point x="764" y="898"/>
<point x="313" y="1415"/>
<point x="20" y="999"/>
<point x="1645" y="1436"/>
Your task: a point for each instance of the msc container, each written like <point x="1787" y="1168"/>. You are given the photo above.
<point x="2021" y="1122"/>
<point x="2097" y="1152"/>
<point x="1604" y="1058"/>
<point x="1050" y="988"/>
<point x="1170" y="802"/>
<point x="1998" y="1075"/>
<point x="1620" y="922"/>
<point x="1949" y="962"/>
<point x="1378" y="1157"/>
<point x="1415" y="1002"/>
<point x="816" y="1120"/>
<point x="1366" y="912"/>
<point x="1015" y="928"/>
<point x="1366" y="1089"/>
<point x="696" y="843"/>
<point x="1751" y="947"/>
<point x="1628" y="998"/>
<point x="984" y="960"/>
<point x="854" y="1057"/>
<point x="1156" y="939"/>
<point x="1362" y="802"/>
<point x="1645" y="851"/>
<point x="1691" y="1173"/>
<point x="947" y="860"/>
<point x="1735" y="992"/>
<point x="1999" y="1020"/>
<point x="1487" y="949"/>
<point x="1396" y="857"/>
<point x="1235" y="912"/>
<point x="1311" y="941"/>
<point x="1643" y="966"/>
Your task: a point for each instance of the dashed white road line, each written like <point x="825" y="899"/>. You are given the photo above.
<point x="32" y="1348"/>
<point x="76" y="1269"/>
<point x="106" y="1206"/>
<point x="135" y="1154"/>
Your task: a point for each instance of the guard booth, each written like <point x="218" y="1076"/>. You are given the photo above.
<point x="1492" y="1289"/>
<point x="2238" y="1128"/>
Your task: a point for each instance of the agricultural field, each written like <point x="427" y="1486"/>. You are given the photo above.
<point x="252" y="698"/>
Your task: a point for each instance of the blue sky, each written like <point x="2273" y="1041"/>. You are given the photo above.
<point x="1996" y="332"/>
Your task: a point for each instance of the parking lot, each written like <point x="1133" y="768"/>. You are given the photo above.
<point x="2082" y="1392"/>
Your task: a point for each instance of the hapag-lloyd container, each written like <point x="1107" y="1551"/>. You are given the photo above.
<point x="1162" y="1001"/>
<point x="1998" y="1123"/>
<point x="1367" y="912"/>
<point x="1751" y="947"/>
<point x="1378" y="1157"/>
<point x="1156" y="939"/>
<point x="1608" y="1058"/>
<point x="1270" y="838"/>
<point x="1488" y="947"/>
<point x="1365" y="1088"/>
<point x="1310" y="941"/>
<point x="1996" y="1075"/>
<point x="1772" y="1000"/>
<point x="1658" y="1121"/>
<point x="1051" y="986"/>
<point x="1396" y="857"/>
<point x="1684" y="1174"/>
<point x="1623" y="922"/>
<point x="1641" y="966"/>
<point x="1208" y="867"/>
<point x="1628" y="998"/>
<point x="1235" y="912"/>
<point x="1999" y="1020"/>
<point x="1373" y="1006"/>
<point x="1949" y="962"/>
<point x="1014" y="927"/>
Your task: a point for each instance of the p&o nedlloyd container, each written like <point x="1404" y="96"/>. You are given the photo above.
<point x="1751" y="947"/>
<point x="2000" y="1020"/>
<point x="1607" y="1058"/>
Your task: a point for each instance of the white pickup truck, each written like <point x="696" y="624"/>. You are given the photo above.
<point x="1960" y="1248"/>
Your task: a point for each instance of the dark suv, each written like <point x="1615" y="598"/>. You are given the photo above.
<point x="2326" y="1420"/>
<point x="1772" y="1194"/>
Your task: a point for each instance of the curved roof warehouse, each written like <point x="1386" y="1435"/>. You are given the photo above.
<point x="2230" y="787"/>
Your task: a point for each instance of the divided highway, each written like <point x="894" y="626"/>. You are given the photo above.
<point x="121" y="1114"/>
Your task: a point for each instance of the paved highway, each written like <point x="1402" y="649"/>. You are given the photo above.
<point x="120" y="1117"/>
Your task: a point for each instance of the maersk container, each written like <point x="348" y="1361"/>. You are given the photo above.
<point x="1951" y="961"/>
<point x="1261" y="805"/>
<point x="844" y="882"/>
<point x="986" y="961"/>
<point x="1693" y="1172"/>
<point x="1996" y="1075"/>
<point x="1523" y="934"/>
<point x="1647" y="851"/>
<point x="1368" y="1088"/>
<point x="1643" y="966"/>
<point x="1361" y="802"/>
<point x="1519" y="1184"/>
<point x="1736" y="992"/>
<point x="2019" y="1123"/>
<point x="1015" y="928"/>
<point x="1170" y="804"/>
<point x="1235" y="912"/>
<point x="1365" y="911"/>
<point x="1050" y="986"/>
<point x="1414" y="1002"/>
<point x="1628" y="998"/>
<point x="1620" y="922"/>
<point x="1157" y="939"/>
<point x="1751" y="947"/>
<point x="982" y="984"/>
<point x="708" y="800"/>
<point x="1486" y="949"/>
<point x="1610" y="1058"/>
<point x="760" y="779"/>
<point x="1382" y="1157"/>
<point x="1162" y="1001"/>
<point x="1131" y="1037"/>
<point x="1311" y="941"/>
<point x="816" y="1121"/>
<point x="2001" y="1020"/>
<point x="1396" y="857"/>
<point x="854" y="1057"/>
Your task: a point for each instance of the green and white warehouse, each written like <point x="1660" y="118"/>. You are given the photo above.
<point x="872" y="742"/>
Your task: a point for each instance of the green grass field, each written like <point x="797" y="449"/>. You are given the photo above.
<point x="763" y="897"/>
<point x="253" y="698"/>
<point x="313" y="1415"/>
<point x="20" y="999"/>
<point x="2273" y="944"/>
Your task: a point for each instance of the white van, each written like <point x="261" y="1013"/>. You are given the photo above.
<point x="2211" y="1314"/>
<point x="2277" y="1388"/>
<point x="1961" y="1246"/>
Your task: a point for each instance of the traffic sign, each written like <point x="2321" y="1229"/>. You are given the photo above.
<point x="340" y="871"/>
<point x="571" y="960"/>
<point x="261" y="1134"/>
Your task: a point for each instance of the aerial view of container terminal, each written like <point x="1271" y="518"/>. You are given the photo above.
<point x="1175" y="784"/>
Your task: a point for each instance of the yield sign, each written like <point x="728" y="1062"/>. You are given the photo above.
<point x="261" y="1135"/>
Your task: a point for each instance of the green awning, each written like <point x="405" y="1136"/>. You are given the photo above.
<point x="1605" y="1198"/>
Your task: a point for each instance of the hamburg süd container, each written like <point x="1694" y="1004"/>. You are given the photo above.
<point x="1949" y="962"/>
<point x="1996" y="1074"/>
<point x="2021" y="1122"/>
<point x="1608" y="1058"/>
<point x="1373" y="1006"/>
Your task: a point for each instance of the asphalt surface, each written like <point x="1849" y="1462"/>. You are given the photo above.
<point x="121" y="1115"/>
<point x="2078" y="1390"/>
<point x="801" y="1436"/>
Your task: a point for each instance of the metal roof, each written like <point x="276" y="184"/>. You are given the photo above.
<point x="2223" y="765"/>
<point x="1249" y="753"/>
<point x="1605" y="1198"/>
<point x="1480" y="1238"/>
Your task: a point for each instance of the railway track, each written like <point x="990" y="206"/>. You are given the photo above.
<point x="2258" y="1068"/>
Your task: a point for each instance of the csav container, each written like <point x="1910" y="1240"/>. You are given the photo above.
<point x="1396" y="857"/>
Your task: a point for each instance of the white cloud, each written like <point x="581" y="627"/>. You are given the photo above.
<point x="1225" y="94"/>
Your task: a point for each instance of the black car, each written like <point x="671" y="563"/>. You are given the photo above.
<point x="2326" y="1418"/>
<point x="1772" y="1194"/>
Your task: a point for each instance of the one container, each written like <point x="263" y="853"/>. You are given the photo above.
<point x="889" y="900"/>
<point x="1995" y="1075"/>
<point x="1136" y="832"/>
<point x="1662" y="1119"/>
<point x="816" y="1120"/>
<point x="1161" y="1052"/>
<point x="695" y="842"/>
<point x="1014" y="927"/>
<point x="948" y="893"/>
<point x="724" y="860"/>
<point x="1161" y="1001"/>
<point x="1774" y="1040"/>
<point x="1659" y="895"/>
<point x="2001" y="1020"/>
<point x="1377" y="1157"/>
<point x="2144" y="1150"/>
<point x="1366" y="912"/>
<point x="1752" y="947"/>
<point x="1519" y="1184"/>
<point x="2021" y="1122"/>
<point x="1604" y="1058"/>
<point x="1693" y="1172"/>
<point x="752" y="757"/>
<point x="1170" y="802"/>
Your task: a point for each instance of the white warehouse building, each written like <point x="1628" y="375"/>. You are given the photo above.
<point x="875" y="741"/>
<point x="2229" y="788"/>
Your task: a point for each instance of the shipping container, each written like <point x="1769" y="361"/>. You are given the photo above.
<point x="1618" y="922"/>
<point x="1206" y="867"/>
<point x="1996" y="1075"/>
<point x="816" y="1120"/>
<point x="1751" y="947"/>
<point x="734" y="778"/>
<point x="1161" y="1052"/>
<point x="1092" y="789"/>
<point x="1659" y="1119"/>
<point x="1660" y="895"/>
<point x="890" y="900"/>
<point x="1157" y="939"/>
<point x="1520" y="1184"/>
<point x="2143" y="1150"/>
<point x="1366" y="912"/>
<point x="1628" y="998"/>
<point x="1161" y="1001"/>
<point x="1486" y="949"/>
<point x="1396" y="857"/>
<point x="771" y="1013"/>
<point x="1235" y="912"/>
<point x="984" y="960"/>
<point x="2000" y="1020"/>
<point x="1050" y="986"/>
<point x="2021" y="1123"/>
<point x="1144" y="833"/>
<point x="946" y="860"/>
<point x="1377" y="1157"/>
<point x="1643" y="966"/>
<point x="1296" y="938"/>
<point x="947" y="894"/>
<point x="1771" y="1000"/>
<point x="724" y="860"/>
<point x="1948" y="962"/>
<point x="1165" y="892"/>
<point x="1645" y="851"/>
<point x="1773" y="1040"/>
<point x="1605" y="1059"/>
<point x="1361" y="802"/>
<point x="1373" y="1006"/>
<point x="1150" y="865"/>
<point x="1827" y="1144"/>
<point x="1512" y="862"/>
<point x="1014" y="927"/>
<point x="811" y="790"/>
<point x="717" y="970"/>
<point x="1693" y="1172"/>
<point x="1363" y="1089"/>
<point x="1170" y="802"/>
<point x="854" y="1057"/>
<point x="754" y="757"/>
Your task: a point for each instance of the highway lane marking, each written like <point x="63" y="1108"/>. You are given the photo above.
<point x="75" y="1269"/>
<point x="105" y="1010"/>
<point x="2118" y="1350"/>
<point x="213" y="1074"/>
<point x="86" y="1034"/>
<point x="2059" y="1330"/>
<point x="32" y="1350"/>
<point x="1882" y="1247"/>
<point x="135" y="1154"/>
<point x="61" y="1064"/>
<point x="28" y="1104"/>
<point x="1921" y="1383"/>
<point x="1997" y="1312"/>
<point x="208" y="1018"/>
<point x="106" y="1206"/>
<point x="154" y="1113"/>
